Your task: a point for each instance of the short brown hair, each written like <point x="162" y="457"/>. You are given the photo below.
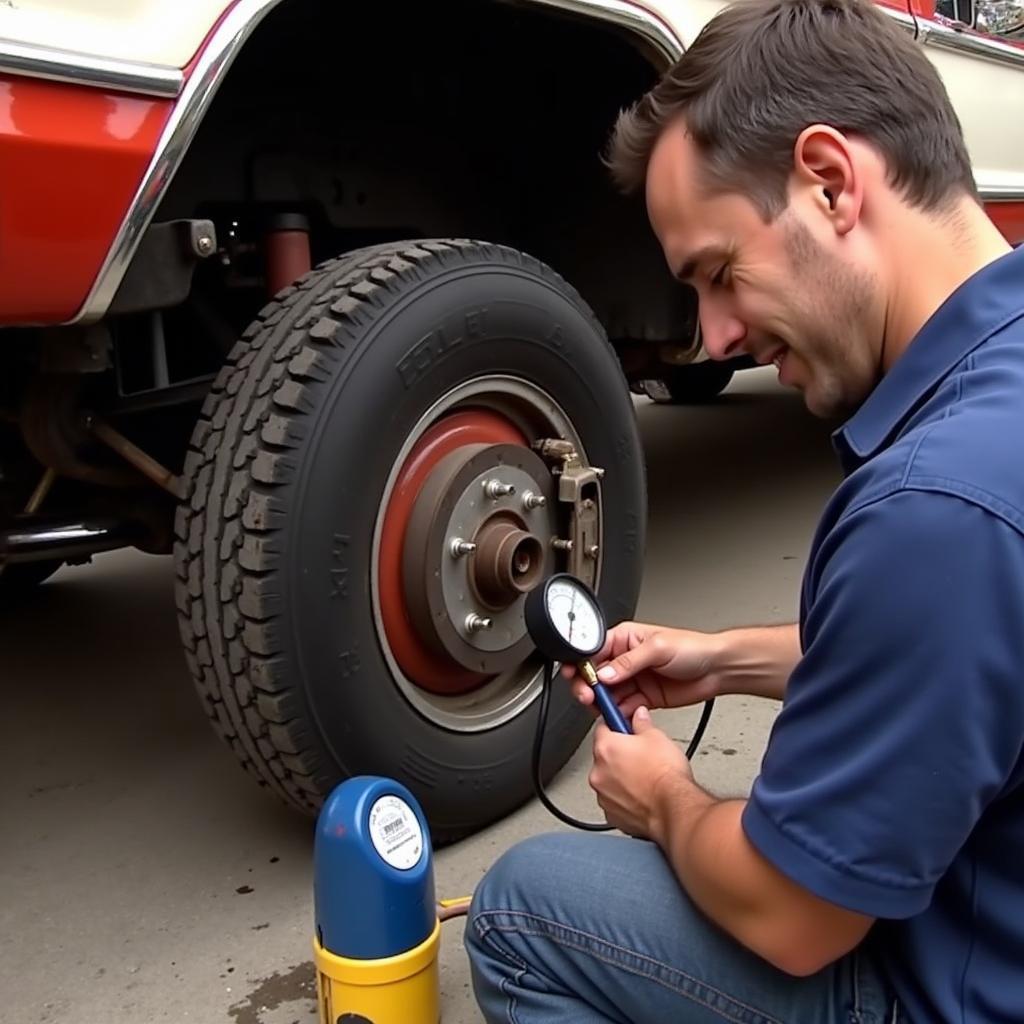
<point x="763" y="70"/>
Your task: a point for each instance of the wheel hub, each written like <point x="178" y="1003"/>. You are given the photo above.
<point x="508" y="561"/>
<point x="478" y="541"/>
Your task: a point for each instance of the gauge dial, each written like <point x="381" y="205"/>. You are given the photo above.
<point x="574" y="615"/>
<point x="565" y="621"/>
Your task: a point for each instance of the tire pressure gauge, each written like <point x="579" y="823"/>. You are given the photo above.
<point x="565" y="622"/>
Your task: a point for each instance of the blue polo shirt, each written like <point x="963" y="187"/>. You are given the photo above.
<point x="892" y="781"/>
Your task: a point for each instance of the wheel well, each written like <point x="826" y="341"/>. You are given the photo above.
<point x="469" y="118"/>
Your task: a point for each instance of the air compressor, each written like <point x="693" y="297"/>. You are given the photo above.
<point x="377" y="928"/>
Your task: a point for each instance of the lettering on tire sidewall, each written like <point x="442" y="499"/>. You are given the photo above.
<point x="439" y="343"/>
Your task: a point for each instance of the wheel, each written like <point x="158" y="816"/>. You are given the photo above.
<point x="685" y="385"/>
<point x="22" y="576"/>
<point x="369" y="419"/>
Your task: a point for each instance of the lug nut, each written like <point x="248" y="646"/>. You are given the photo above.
<point x="460" y="547"/>
<point x="474" y="623"/>
<point x="531" y="500"/>
<point x="496" y="489"/>
<point x="592" y="551"/>
<point x="598" y="472"/>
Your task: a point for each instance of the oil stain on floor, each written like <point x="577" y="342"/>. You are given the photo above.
<point x="284" y="997"/>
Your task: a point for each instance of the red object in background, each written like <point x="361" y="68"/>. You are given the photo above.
<point x="920" y="8"/>
<point x="1009" y="218"/>
<point x="287" y="251"/>
<point x="71" y="159"/>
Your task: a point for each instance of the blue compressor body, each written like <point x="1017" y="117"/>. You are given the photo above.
<point x="377" y="930"/>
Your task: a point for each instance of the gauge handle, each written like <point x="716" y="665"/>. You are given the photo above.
<point x="613" y="717"/>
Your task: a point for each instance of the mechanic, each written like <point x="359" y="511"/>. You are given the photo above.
<point x="805" y="171"/>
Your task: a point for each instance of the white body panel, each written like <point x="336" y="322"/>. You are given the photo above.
<point x="163" y="32"/>
<point x="989" y="100"/>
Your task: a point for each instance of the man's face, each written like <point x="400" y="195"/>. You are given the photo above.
<point x="781" y="292"/>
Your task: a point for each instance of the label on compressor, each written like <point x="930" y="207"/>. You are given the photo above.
<point x="395" y="833"/>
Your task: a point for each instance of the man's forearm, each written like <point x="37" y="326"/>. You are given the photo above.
<point x="745" y="895"/>
<point x="698" y="835"/>
<point x="756" y="661"/>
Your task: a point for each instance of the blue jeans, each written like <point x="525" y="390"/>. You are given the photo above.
<point x="590" y="929"/>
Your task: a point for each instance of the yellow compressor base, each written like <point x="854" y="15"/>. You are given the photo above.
<point x="403" y="989"/>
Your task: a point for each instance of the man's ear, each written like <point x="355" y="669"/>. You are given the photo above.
<point x="824" y="163"/>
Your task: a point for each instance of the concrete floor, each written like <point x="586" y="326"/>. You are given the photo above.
<point x="142" y="876"/>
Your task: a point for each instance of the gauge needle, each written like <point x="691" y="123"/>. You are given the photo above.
<point x="572" y="616"/>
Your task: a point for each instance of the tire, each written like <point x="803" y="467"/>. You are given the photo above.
<point x="691" y="385"/>
<point x="291" y="479"/>
<point x="21" y="576"/>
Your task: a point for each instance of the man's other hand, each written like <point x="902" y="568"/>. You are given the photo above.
<point x="632" y="775"/>
<point x="653" y="666"/>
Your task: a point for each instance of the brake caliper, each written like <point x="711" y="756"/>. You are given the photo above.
<point x="579" y="495"/>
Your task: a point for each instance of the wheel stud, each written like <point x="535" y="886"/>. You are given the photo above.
<point x="474" y="623"/>
<point x="496" y="489"/>
<point x="532" y="501"/>
<point x="561" y="545"/>
<point x="460" y="547"/>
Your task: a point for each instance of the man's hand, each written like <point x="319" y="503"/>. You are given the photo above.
<point x="662" y="667"/>
<point x="635" y="777"/>
<point x="653" y="666"/>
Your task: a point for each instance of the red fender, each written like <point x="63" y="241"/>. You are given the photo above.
<point x="71" y="160"/>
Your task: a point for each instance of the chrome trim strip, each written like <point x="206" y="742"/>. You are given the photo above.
<point x="937" y="33"/>
<point x="214" y="62"/>
<point x="633" y="17"/>
<point x="177" y="135"/>
<point x="946" y="37"/>
<point x="1001" y="193"/>
<point x="85" y="69"/>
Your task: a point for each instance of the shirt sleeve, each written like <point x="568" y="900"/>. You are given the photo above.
<point x="905" y="716"/>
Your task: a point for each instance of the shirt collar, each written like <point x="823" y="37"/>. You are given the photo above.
<point x="987" y="301"/>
